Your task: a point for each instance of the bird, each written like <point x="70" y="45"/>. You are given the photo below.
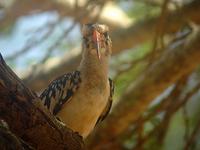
<point x="83" y="98"/>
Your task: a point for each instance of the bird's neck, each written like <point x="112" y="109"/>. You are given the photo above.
<point x="94" y="69"/>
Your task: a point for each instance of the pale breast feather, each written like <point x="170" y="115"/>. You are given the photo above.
<point x="60" y="91"/>
<point x="106" y="110"/>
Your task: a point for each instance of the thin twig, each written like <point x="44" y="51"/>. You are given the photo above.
<point x="34" y="42"/>
<point x="159" y="32"/>
<point x="187" y="123"/>
<point x="192" y="137"/>
<point x="133" y="63"/>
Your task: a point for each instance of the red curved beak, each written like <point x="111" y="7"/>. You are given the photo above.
<point x="96" y="38"/>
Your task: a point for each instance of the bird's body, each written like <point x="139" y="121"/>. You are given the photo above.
<point x="84" y="97"/>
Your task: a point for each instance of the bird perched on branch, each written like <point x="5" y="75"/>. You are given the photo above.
<point x="83" y="98"/>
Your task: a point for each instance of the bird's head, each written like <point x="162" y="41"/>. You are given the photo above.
<point x="97" y="40"/>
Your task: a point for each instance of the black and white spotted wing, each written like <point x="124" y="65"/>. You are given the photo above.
<point x="106" y="110"/>
<point x="60" y="91"/>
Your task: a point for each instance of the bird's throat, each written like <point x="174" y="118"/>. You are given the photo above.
<point x="94" y="69"/>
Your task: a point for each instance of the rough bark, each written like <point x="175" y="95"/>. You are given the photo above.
<point x="8" y="140"/>
<point x="134" y="35"/>
<point x="172" y="65"/>
<point x="26" y="118"/>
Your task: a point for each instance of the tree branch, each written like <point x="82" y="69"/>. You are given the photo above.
<point x="23" y="112"/>
<point x="9" y="141"/>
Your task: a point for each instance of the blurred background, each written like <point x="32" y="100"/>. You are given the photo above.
<point x="155" y="64"/>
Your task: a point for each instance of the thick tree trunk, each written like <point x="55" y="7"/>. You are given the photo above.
<point x="20" y="108"/>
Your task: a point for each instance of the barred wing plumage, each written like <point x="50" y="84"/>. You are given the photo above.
<point x="60" y="91"/>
